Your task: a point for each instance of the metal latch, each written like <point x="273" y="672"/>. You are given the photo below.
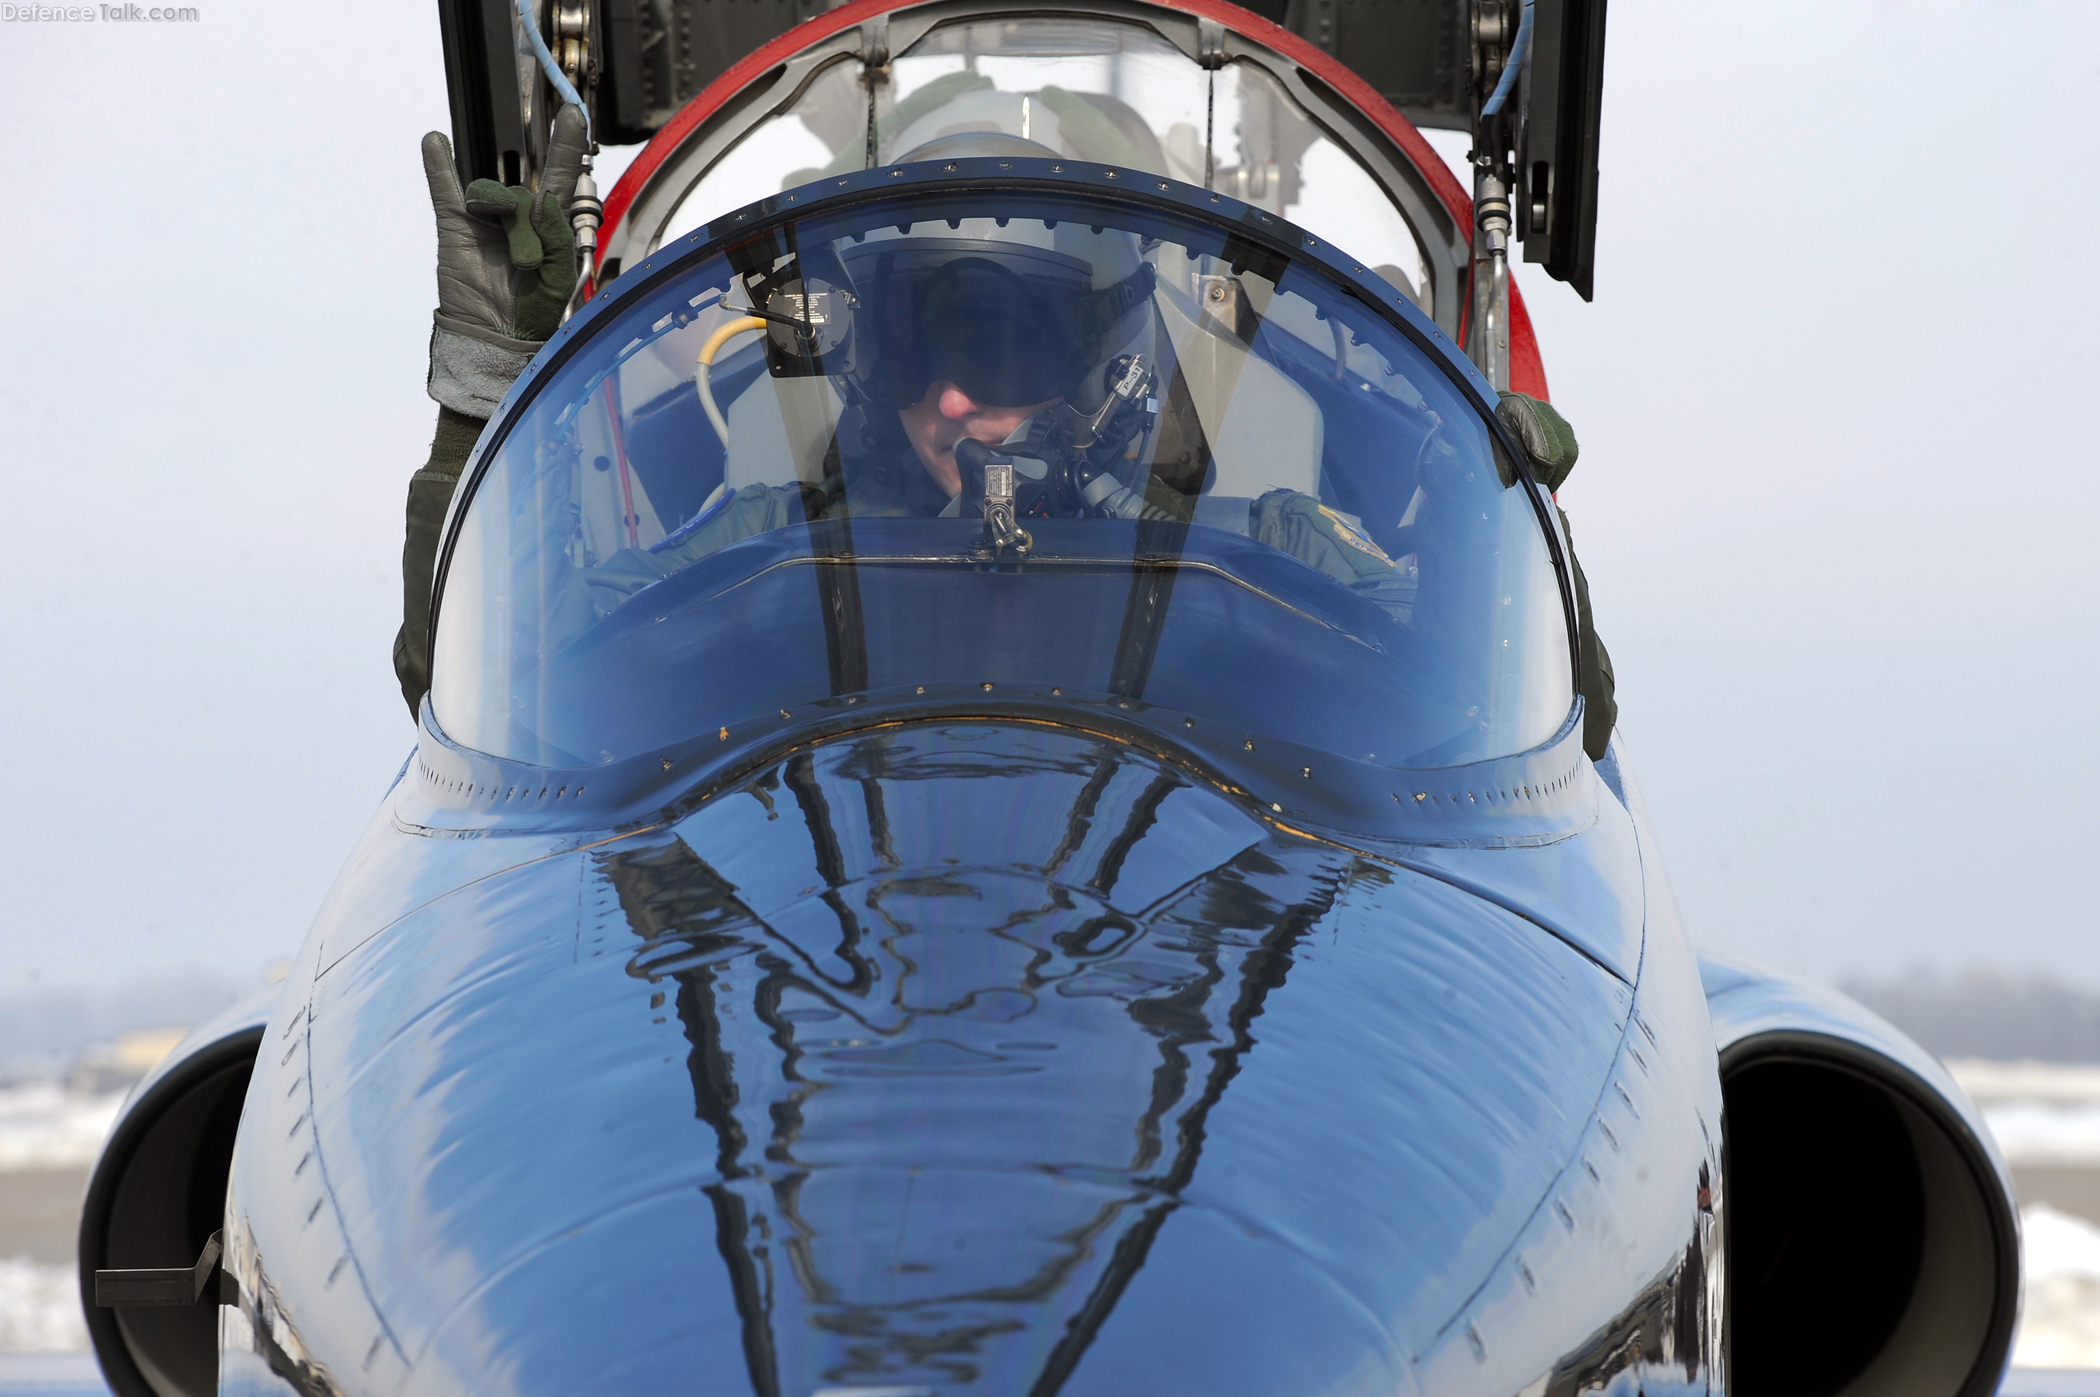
<point x="1002" y="528"/>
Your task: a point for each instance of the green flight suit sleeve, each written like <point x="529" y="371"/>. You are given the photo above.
<point x="1600" y="704"/>
<point x="1319" y="537"/>
<point x="592" y="593"/>
<point x="1323" y="539"/>
<point x="429" y="496"/>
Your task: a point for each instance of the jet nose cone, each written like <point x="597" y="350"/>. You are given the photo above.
<point x="979" y="1058"/>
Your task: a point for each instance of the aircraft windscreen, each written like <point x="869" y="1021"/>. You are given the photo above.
<point x="1039" y="446"/>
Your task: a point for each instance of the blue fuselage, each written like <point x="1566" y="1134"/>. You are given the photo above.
<point x="977" y="1055"/>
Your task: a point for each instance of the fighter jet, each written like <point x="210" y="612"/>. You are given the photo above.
<point x="1004" y="806"/>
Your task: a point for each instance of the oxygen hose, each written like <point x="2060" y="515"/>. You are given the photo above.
<point x="585" y="209"/>
<point x="1520" y="46"/>
<point x="723" y="334"/>
<point x="556" y="78"/>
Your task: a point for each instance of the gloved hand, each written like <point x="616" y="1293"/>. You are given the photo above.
<point x="1549" y="442"/>
<point x="506" y="269"/>
<point x="1545" y="436"/>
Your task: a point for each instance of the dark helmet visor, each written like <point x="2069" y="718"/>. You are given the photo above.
<point x="1000" y="322"/>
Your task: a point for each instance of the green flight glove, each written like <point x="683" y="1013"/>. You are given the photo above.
<point x="542" y="248"/>
<point x="1545" y="435"/>
<point x="1550" y="443"/>
<point x="506" y="269"/>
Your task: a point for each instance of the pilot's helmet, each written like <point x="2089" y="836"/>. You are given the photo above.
<point x="1010" y="311"/>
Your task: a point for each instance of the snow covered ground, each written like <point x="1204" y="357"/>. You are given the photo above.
<point x="2044" y="1114"/>
<point x="2060" y="1319"/>
<point x="40" y="1308"/>
<point x="2040" y="1133"/>
<point x="44" y="1126"/>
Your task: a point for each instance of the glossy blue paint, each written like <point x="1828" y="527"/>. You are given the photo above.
<point x="970" y="1056"/>
<point x="1524" y="800"/>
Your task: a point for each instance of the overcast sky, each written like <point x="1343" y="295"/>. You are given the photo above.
<point x="1835" y="496"/>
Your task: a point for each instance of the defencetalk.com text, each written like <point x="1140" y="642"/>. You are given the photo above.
<point x="106" y="14"/>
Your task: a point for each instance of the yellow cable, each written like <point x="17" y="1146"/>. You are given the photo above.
<point x="724" y="333"/>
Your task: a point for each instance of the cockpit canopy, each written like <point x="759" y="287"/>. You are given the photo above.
<point x="1147" y="90"/>
<point x="999" y="430"/>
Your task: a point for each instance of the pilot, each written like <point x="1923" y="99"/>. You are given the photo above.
<point x="1036" y="342"/>
<point x="1032" y="343"/>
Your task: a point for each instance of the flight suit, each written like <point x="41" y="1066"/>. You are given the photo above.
<point x="1600" y="703"/>
<point x="429" y="496"/>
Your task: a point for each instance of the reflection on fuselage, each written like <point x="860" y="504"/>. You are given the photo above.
<point x="992" y="1027"/>
<point x="931" y="1019"/>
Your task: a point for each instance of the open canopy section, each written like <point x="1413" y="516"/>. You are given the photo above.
<point x="695" y="76"/>
<point x="1161" y="91"/>
<point x="1100" y="89"/>
<point x="964" y="440"/>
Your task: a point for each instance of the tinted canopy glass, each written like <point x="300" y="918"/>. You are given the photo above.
<point x="967" y="444"/>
